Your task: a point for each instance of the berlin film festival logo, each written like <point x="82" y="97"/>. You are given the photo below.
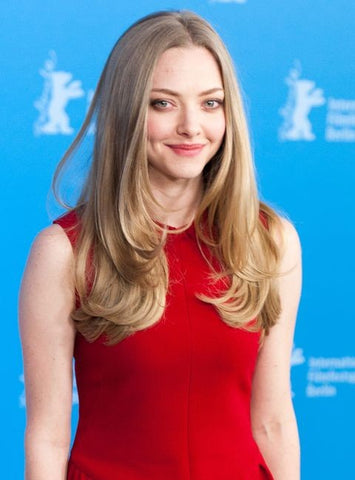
<point x="59" y="88"/>
<point x="338" y="123"/>
<point x="297" y="358"/>
<point x="302" y="97"/>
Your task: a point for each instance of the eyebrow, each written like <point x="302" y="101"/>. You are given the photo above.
<point x="176" y="94"/>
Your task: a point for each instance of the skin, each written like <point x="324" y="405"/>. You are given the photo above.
<point x="47" y="334"/>
<point x="186" y="126"/>
<point x="273" y="419"/>
<point x="186" y="116"/>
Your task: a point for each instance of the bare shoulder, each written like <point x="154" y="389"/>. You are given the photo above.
<point x="287" y="238"/>
<point x="289" y="232"/>
<point x="52" y="240"/>
<point x="48" y="283"/>
<point x="290" y="275"/>
<point x="51" y="254"/>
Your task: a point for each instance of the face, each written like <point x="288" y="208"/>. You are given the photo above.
<point x="186" y="121"/>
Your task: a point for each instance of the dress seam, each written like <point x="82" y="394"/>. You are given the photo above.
<point x="184" y="279"/>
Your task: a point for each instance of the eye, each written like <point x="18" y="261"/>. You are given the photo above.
<point x="160" y="104"/>
<point x="213" y="103"/>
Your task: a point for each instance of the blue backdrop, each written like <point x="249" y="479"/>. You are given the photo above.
<point x="296" y="64"/>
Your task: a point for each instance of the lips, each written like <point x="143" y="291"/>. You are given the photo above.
<point x="186" y="149"/>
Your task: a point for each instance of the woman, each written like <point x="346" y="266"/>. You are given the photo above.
<point x="173" y="286"/>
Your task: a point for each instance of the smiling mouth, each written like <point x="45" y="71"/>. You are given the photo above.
<point x="187" y="149"/>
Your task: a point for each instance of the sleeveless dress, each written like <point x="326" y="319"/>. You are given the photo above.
<point x="171" y="402"/>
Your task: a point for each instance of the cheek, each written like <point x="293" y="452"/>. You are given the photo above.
<point x="157" y="128"/>
<point x="217" y="128"/>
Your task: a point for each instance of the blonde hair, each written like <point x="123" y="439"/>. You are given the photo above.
<point x="121" y="272"/>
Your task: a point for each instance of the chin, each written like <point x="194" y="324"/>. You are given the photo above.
<point x="187" y="175"/>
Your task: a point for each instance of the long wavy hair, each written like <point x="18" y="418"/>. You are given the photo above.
<point x="121" y="271"/>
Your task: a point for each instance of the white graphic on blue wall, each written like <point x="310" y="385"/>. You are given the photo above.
<point x="340" y="120"/>
<point x="303" y="95"/>
<point x="297" y="358"/>
<point x="92" y="127"/>
<point x="59" y="88"/>
<point x="326" y="374"/>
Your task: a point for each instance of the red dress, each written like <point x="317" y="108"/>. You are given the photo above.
<point x="171" y="402"/>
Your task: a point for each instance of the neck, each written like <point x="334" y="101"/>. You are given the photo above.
<point x="178" y="200"/>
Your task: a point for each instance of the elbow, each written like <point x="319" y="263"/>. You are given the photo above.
<point x="37" y="438"/>
<point x="269" y="429"/>
<point x="276" y="431"/>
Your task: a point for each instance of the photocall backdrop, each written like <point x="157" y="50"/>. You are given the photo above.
<point x="295" y="61"/>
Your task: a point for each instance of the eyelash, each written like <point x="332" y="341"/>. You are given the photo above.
<point x="158" y="103"/>
<point x="216" y="100"/>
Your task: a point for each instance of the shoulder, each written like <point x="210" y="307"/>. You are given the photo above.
<point x="47" y="288"/>
<point x="283" y="233"/>
<point x="47" y="293"/>
<point x="52" y="241"/>
<point x="288" y="231"/>
<point x="58" y="237"/>
<point x="288" y="241"/>
<point x="289" y="278"/>
<point x="51" y="257"/>
<point x="50" y="264"/>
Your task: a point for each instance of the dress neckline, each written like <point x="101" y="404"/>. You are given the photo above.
<point x="187" y="229"/>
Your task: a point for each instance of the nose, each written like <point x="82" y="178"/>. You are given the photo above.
<point x="189" y="123"/>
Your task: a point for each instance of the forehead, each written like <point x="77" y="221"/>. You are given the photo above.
<point x="187" y="66"/>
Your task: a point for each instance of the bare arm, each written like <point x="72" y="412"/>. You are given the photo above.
<point x="47" y="335"/>
<point x="273" y="418"/>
